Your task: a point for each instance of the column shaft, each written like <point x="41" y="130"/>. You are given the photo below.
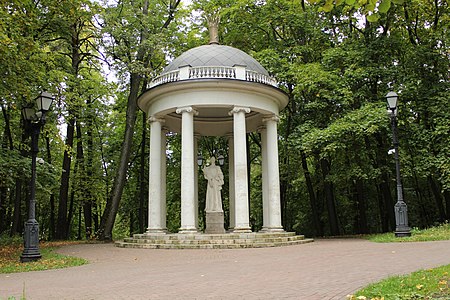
<point x="231" y="182"/>
<point x="240" y="170"/>
<point x="187" y="170"/>
<point x="196" y="138"/>
<point x="265" y="171"/>
<point x="273" y="175"/>
<point x="155" y="195"/>
<point x="163" y="180"/>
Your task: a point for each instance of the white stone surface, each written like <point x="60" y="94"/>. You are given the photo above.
<point x="155" y="174"/>
<point x="240" y="169"/>
<point x="187" y="170"/>
<point x="231" y="181"/>
<point x="265" y="171"/>
<point x="273" y="178"/>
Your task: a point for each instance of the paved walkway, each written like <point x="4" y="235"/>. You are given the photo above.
<point x="325" y="269"/>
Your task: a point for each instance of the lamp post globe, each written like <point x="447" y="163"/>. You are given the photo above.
<point x="400" y="208"/>
<point x="34" y="120"/>
<point x="221" y="159"/>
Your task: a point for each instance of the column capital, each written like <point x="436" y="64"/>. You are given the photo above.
<point x="273" y="118"/>
<point x="229" y="136"/>
<point x="237" y="109"/>
<point x="187" y="109"/>
<point x="158" y="119"/>
<point x="261" y="128"/>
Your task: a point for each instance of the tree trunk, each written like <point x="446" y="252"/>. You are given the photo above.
<point x="3" y="197"/>
<point x="17" y="215"/>
<point x="329" y="197"/>
<point x="382" y="210"/>
<point x="112" y="205"/>
<point x="88" y="201"/>
<point x="51" y="233"/>
<point x="79" y="223"/>
<point x="131" y="223"/>
<point x="362" y="206"/>
<point x="70" y="214"/>
<point x="61" y="228"/>
<point x="438" y="198"/>
<point x="7" y="143"/>
<point x="16" y="228"/>
<point x="312" y="197"/>
<point x="79" y="172"/>
<point x="142" y="183"/>
<point x="447" y="203"/>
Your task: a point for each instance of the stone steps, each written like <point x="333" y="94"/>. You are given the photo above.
<point x="213" y="241"/>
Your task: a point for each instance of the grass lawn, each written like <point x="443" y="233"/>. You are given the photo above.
<point x="430" y="284"/>
<point x="424" y="284"/>
<point x="11" y="250"/>
<point x="438" y="233"/>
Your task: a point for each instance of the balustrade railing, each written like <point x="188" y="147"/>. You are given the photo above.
<point x="165" y="78"/>
<point x="211" y="72"/>
<point x="258" y="77"/>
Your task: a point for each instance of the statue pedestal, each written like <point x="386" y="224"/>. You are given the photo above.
<point x="214" y="223"/>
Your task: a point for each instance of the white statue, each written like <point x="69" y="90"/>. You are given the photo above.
<point x="215" y="181"/>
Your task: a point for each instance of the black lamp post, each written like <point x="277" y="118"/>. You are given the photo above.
<point x="401" y="210"/>
<point x="35" y="120"/>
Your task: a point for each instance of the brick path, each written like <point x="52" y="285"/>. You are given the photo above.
<point x="325" y="269"/>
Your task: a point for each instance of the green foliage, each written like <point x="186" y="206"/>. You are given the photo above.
<point x="334" y="65"/>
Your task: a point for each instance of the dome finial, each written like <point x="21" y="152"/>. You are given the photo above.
<point x="213" y="24"/>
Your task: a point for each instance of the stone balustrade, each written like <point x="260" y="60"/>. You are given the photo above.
<point x="212" y="72"/>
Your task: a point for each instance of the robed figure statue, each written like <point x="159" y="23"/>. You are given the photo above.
<point x="214" y="176"/>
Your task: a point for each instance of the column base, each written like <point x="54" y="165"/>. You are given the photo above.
<point x="272" y="229"/>
<point x="242" y="230"/>
<point x="31" y="242"/>
<point x="402" y="231"/>
<point x="188" y="230"/>
<point x="156" y="231"/>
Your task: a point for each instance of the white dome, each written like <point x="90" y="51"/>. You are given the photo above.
<point x="216" y="56"/>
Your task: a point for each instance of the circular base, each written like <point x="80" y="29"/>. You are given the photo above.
<point x="30" y="257"/>
<point x="402" y="233"/>
<point x="188" y="231"/>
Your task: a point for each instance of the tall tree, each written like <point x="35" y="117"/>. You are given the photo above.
<point x="135" y="43"/>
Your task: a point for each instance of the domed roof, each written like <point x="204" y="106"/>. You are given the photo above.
<point x="215" y="55"/>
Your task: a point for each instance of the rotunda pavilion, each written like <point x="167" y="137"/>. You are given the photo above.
<point x="214" y="90"/>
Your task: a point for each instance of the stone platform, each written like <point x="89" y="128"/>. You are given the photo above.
<point x="213" y="241"/>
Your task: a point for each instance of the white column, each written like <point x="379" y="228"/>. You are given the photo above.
<point x="196" y="138"/>
<point x="273" y="176"/>
<point x="240" y="170"/>
<point x="155" y="196"/>
<point x="187" y="170"/>
<point x="163" y="179"/>
<point x="265" y="192"/>
<point x="231" y="181"/>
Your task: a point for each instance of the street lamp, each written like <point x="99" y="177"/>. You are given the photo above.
<point x="200" y="159"/>
<point x="401" y="210"/>
<point x="221" y="159"/>
<point x="34" y="121"/>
